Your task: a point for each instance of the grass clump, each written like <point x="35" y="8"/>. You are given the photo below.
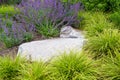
<point x="20" y="69"/>
<point x="10" y="69"/>
<point x="68" y="66"/>
<point x="105" y="43"/>
<point x="72" y="66"/>
<point x="110" y="70"/>
<point x="95" y="23"/>
<point x="35" y="71"/>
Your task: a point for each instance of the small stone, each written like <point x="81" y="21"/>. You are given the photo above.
<point x="69" y="32"/>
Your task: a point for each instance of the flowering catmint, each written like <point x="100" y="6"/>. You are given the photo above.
<point x="58" y="13"/>
<point x="15" y="34"/>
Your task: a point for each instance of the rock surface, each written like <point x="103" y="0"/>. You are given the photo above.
<point x="70" y="39"/>
<point x="47" y="49"/>
<point x="69" y="32"/>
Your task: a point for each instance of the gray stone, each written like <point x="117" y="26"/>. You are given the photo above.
<point x="69" y="32"/>
<point x="47" y="49"/>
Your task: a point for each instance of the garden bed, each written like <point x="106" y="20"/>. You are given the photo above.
<point x="38" y="20"/>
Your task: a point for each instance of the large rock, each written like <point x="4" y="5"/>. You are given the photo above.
<point x="69" y="32"/>
<point x="47" y="49"/>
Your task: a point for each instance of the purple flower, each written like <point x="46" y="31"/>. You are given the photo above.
<point x="5" y="29"/>
<point x="39" y="11"/>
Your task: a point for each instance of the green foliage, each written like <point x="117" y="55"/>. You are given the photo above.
<point x="110" y="69"/>
<point x="8" y="9"/>
<point x="27" y="36"/>
<point x="7" y="21"/>
<point x="71" y="1"/>
<point x="115" y="18"/>
<point x="72" y="66"/>
<point x="95" y="23"/>
<point x="105" y="44"/>
<point x="20" y="69"/>
<point x="9" y="41"/>
<point x="10" y="69"/>
<point x="47" y="29"/>
<point x="102" y="5"/>
<point x="10" y="2"/>
<point x="35" y="71"/>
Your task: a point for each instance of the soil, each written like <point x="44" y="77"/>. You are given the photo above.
<point x="9" y="52"/>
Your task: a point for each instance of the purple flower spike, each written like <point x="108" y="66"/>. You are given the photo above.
<point x="40" y="11"/>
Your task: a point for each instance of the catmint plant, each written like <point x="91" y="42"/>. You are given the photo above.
<point x="15" y="34"/>
<point x="55" y="12"/>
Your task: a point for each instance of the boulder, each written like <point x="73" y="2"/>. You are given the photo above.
<point x="69" y="32"/>
<point x="46" y="49"/>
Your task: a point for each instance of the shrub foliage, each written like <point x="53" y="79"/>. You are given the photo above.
<point x="115" y="18"/>
<point x="102" y="5"/>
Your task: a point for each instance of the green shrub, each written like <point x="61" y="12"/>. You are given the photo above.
<point x="105" y="44"/>
<point x="10" y="1"/>
<point x="35" y="71"/>
<point x="10" y="69"/>
<point x="72" y="66"/>
<point x="102" y="5"/>
<point x="95" y="23"/>
<point x="115" y="18"/>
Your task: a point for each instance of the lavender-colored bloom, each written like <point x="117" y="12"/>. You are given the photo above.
<point x="16" y="31"/>
<point x="31" y="27"/>
<point x="5" y="29"/>
<point x="39" y="11"/>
